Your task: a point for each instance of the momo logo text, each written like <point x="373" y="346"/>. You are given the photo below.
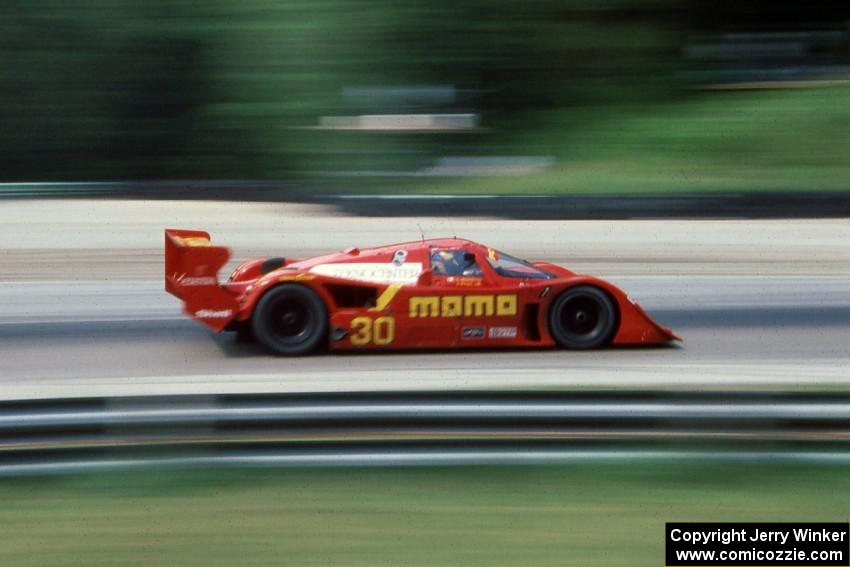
<point x="463" y="306"/>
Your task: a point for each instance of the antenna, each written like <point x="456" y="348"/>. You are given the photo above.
<point x="421" y="233"/>
<point x="449" y="221"/>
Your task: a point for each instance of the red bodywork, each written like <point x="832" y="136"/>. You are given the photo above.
<point x="374" y="302"/>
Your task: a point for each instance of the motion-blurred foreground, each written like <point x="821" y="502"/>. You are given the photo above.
<point x="606" y="515"/>
<point x="459" y="96"/>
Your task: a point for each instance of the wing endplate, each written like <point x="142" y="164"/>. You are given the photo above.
<point x="191" y="274"/>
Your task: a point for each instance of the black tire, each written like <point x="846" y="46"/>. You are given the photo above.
<point x="583" y="317"/>
<point x="290" y="320"/>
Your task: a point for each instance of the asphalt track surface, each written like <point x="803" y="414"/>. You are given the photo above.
<point x="759" y="304"/>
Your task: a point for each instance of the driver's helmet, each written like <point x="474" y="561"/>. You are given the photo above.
<point x="447" y="262"/>
<point x="453" y="263"/>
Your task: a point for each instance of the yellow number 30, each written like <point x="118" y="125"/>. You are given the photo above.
<point x="381" y="331"/>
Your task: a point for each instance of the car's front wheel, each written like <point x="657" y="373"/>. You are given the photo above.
<point x="583" y="317"/>
<point x="290" y="320"/>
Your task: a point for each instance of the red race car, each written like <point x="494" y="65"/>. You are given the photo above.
<point x="440" y="293"/>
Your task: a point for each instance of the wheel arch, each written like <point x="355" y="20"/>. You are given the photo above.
<point x="264" y="329"/>
<point x="611" y="293"/>
<point x="616" y="296"/>
<point x="634" y="326"/>
<point x="275" y="280"/>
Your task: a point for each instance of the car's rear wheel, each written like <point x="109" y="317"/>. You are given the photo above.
<point x="290" y="320"/>
<point x="583" y="317"/>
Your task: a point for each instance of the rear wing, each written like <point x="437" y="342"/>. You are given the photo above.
<point x="191" y="274"/>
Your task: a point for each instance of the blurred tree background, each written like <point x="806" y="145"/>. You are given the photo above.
<point x="614" y="95"/>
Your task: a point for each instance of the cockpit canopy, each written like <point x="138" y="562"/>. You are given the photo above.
<point x="462" y="262"/>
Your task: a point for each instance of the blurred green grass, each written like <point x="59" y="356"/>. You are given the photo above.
<point x="779" y="140"/>
<point x="588" y="514"/>
<point x="166" y="89"/>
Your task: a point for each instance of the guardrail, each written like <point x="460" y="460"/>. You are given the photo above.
<point x="721" y="204"/>
<point x="392" y="428"/>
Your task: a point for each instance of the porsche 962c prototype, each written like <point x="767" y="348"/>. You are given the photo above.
<point x="435" y="294"/>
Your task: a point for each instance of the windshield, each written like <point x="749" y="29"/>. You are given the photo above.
<point x="510" y="267"/>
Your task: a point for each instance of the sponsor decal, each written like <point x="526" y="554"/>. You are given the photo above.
<point x="295" y="278"/>
<point x="213" y="314"/>
<point x="463" y="306"/>
<point x="473" y="333"/>
<point x="464" y="281"/>
<point x="197" y="281"/>
<point x="399" y="257"/>
<point x="406" y="273"/>
<point x="502" y="333"/>
<point x="192" y="240"/>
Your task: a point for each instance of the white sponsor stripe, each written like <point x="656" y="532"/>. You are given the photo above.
<point x="406" y="273"/>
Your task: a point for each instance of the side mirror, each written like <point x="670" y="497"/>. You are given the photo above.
<point x="426" y="277"/>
